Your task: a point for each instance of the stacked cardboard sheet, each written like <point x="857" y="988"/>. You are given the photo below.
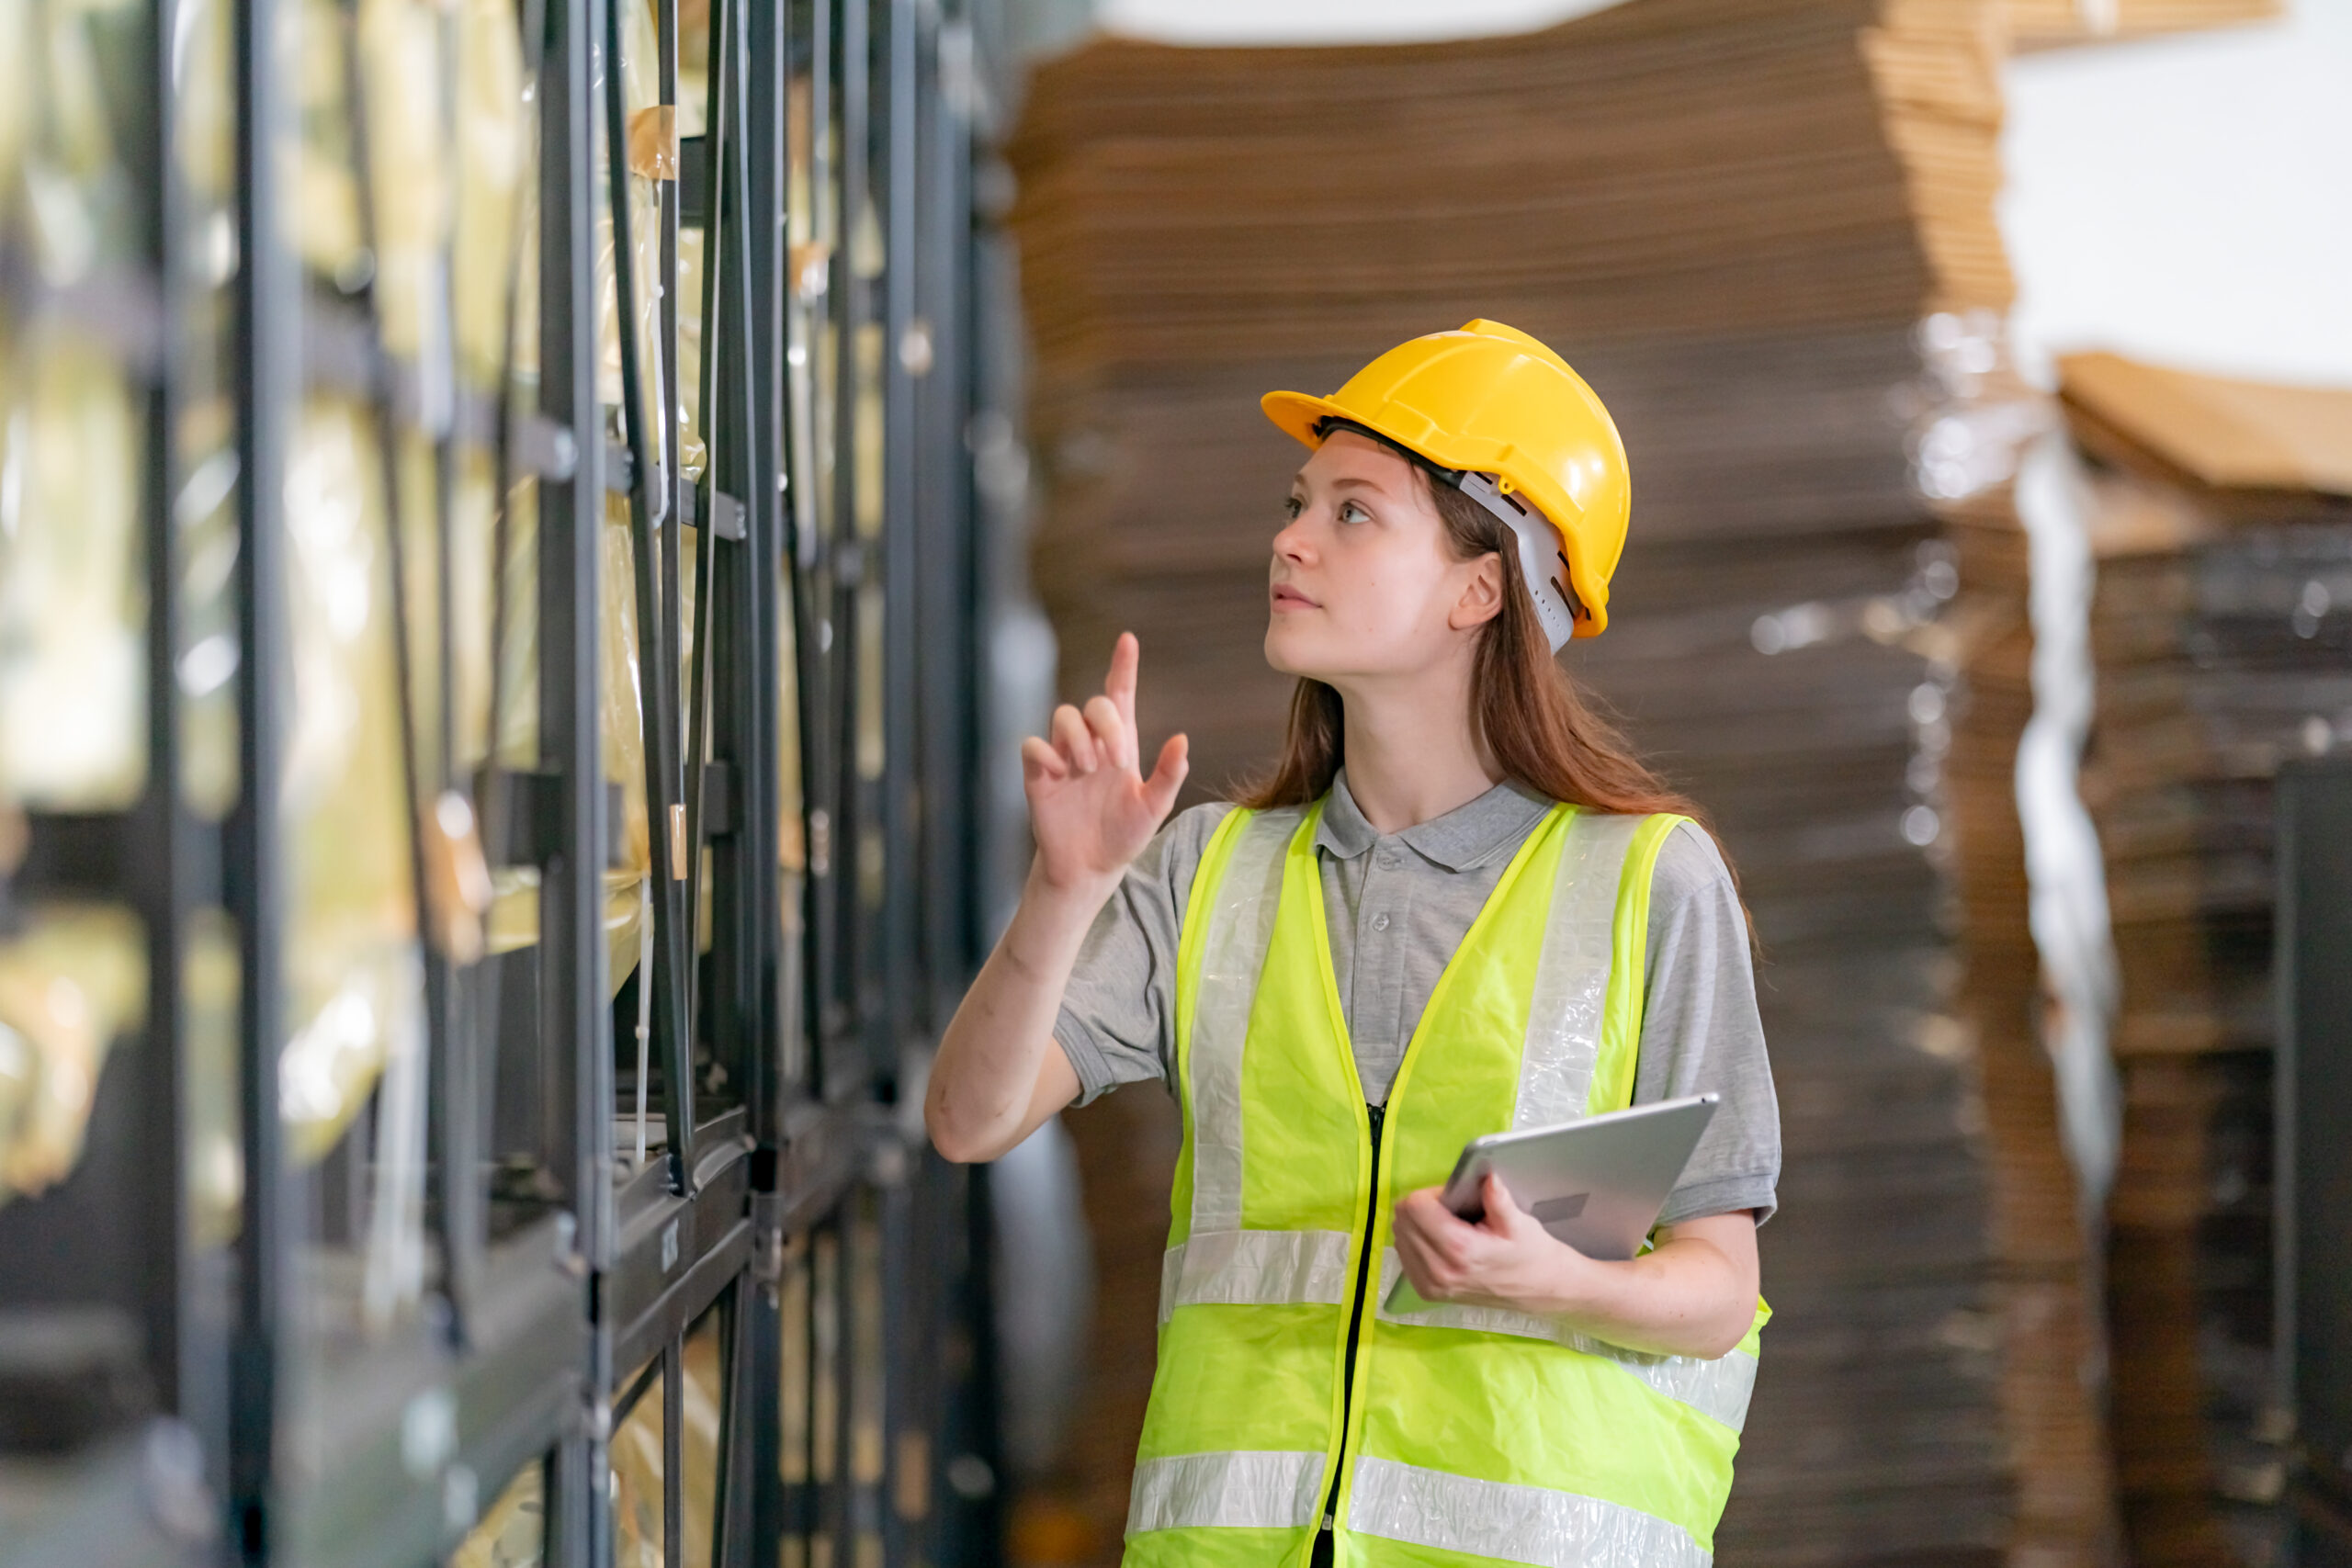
<point x="1937" y="65"/>
<point x="1730" y="214"/>
<point x="2222" y="531"/>
<point x="2043" y="23"/>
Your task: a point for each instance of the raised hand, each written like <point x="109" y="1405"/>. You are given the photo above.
<point x="1091" y="809"/>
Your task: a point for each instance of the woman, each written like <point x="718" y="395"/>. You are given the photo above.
<point x="1457" y="904"/>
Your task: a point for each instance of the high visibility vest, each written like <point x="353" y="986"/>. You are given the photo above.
<point x="1465" y="1435"/>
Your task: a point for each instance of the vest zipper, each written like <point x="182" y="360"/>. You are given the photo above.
<point x="1325" y="1541"/>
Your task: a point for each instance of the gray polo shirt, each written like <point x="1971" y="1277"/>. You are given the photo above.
<point x="1399" y="905"/>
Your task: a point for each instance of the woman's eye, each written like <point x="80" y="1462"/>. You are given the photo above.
<point x="1352" y="513"/>
<point x="1293" y="507"/>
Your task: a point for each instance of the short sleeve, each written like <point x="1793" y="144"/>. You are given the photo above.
<point x="1117" y="1022"/>
<point x="1701" y="1033"/>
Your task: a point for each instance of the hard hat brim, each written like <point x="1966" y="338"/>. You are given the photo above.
<point x="1299" y="416"/>
<point x="1296" y="414"/>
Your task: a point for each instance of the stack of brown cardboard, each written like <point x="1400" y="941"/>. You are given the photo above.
<point x="1730" y="214"/>
<point x="2222" y="526"/>
<point x="1937" y="66"/>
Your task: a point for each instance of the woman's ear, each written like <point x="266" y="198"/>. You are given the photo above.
<point x="1482" y="594"/>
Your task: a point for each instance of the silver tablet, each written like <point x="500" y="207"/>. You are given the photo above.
<point x="1597" y="1184"/>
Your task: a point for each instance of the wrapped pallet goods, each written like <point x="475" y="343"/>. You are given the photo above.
<point x="74" y="733"/>
<point x="2219" y="519"/>
<point x="73" y="650"/>
<point x="71" y="980"/>
<point x="352" y="955"/>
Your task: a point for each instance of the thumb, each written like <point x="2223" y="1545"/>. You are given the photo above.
<point x="1503" y="1212"/>
<point x="1168" y="776"/>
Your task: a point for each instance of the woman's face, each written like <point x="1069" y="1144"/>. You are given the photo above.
<point x="1364" y="583"/>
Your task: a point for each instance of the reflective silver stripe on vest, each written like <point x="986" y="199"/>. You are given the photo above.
<point x="1718" y="1389"/>
<point x="1571" y="997"/>
<point x="1518" y="1524"/>
<point x="1240" y="928"/>
<point x="1246" y="1490"/>
<point x="1255" y="1268"/>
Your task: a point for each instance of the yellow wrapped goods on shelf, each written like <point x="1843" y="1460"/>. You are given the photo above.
<point x="492" y="148"/>
<point x="639" y="92"/>
<point x="637" y="1453"/>
<point x="515" y="914"/>
<point x="351" y="959"/>
<point x="73" y="685"/>
<point x="512" y="1532"/>
<point x="208" y="1001"/>
<point x="403" y="70"/>
<point x="637" y="1482"/>
<point x="66" y="201"/>
<point x="73" y="980"/>
<point x="323" y="208"/>
<point x="16" y="95"/>
<point x="623" y="706"/>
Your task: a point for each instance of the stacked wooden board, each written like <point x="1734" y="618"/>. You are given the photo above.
<point x="1715" y="208"/>
<point x="2222" y="523"/>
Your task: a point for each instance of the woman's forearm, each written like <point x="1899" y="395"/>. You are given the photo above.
<point x="984" y="1080"/>
<point x="1693" y="1295"/>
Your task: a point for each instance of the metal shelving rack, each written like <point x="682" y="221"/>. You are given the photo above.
<point x="810" y="742"/>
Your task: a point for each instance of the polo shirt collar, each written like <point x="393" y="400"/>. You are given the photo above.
<point x="1468" y="835"/>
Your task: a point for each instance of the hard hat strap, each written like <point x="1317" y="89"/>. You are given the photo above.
<point x="1540" y="561"/>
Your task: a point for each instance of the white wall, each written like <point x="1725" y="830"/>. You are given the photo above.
<point x="2188" y="199"/>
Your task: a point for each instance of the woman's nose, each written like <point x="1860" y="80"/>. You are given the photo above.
<point x="1293" y="541"/>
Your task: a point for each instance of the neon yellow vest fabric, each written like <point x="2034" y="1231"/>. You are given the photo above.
<point x="1471" y="1435"/>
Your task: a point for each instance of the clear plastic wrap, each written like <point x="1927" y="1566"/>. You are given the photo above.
<point x="637" y="1482"/>
<point x="72" y="673"/>
<point x="352" y="965"/>
<point x="403" y="71"/>
<point x="494" y="135"/>
<point x="322" y="208"/>
<point x="72" y="641"/>
<point x="623" y="722"/>
<point x="72" y="981"/>
<point x="638" y="93"/>
<point x="512" y="1531"/>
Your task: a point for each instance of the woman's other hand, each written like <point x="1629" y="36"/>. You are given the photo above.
<point x="1692" y="1294"/>
<point x="1507" y="1259"/>
<point x="1091" y="809"/>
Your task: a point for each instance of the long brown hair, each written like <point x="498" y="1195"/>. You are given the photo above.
<point x="1529" y="713"/>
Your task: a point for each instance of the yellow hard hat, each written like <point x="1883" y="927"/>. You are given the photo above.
<point x="1500" y="415"/>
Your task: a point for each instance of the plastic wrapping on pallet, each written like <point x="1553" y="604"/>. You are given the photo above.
<point x="322" y="201"/>
<point x="638" y="93"/>
<point x="71" y="979"/>
<point x="72" y="642"/>
<point x="637" y="1458"/>
<point x="512" y="1531"/>
<point x="404" y="71"/>
<point x="73" y="672"/>
<point x="492" y="145"/>
<point x="623" y="725"/>
<point x="351" y="956"/>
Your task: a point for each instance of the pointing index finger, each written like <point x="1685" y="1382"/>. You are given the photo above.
<point x="1120" y="684"/>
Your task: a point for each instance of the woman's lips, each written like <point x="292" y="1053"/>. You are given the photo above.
<point x="1285" y="597"/>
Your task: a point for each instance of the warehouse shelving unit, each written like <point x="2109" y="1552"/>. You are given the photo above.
<point x="556" y="1290"/>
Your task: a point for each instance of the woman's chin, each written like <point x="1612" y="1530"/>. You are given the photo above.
<point x="1283" y="652"/>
